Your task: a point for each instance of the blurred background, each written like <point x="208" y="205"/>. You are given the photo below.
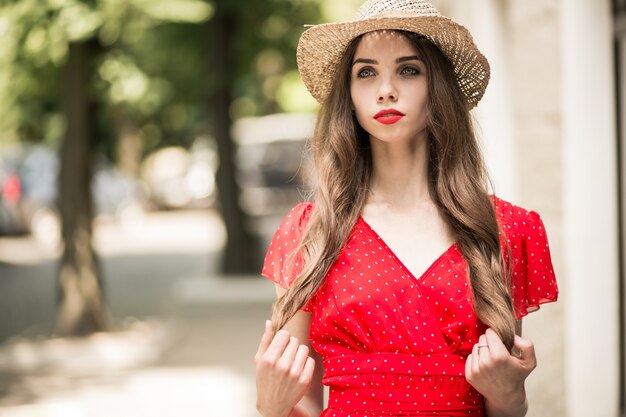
<point x="149" y="149"/>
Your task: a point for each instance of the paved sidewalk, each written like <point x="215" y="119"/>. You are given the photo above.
<point x="185" y="336"/>
<point x="196" y="363"/>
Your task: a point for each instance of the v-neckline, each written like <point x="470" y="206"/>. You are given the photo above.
<point x="399" y="261"/>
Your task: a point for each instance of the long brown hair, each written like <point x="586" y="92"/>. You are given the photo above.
<point x="458" y="184"/>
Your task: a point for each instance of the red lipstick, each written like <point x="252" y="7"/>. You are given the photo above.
<point x="388" y="116"/>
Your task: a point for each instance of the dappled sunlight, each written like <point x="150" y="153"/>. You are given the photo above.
<point x="155" y="392"/>
<point x="119" y="372"/>
<point x="141" y="343"/>
<point x="200" y="391"/>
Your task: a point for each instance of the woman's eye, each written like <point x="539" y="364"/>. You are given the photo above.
<point x="365" y="72"/>
<point x="410" y="71"/>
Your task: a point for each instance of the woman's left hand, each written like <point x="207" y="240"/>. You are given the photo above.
<point x="499" y="375"/>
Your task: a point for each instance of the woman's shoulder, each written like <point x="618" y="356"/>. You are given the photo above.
<point x="299" y="213"/>
<point x="532" y="281"/>
<point x="514" y="219"/>
<point x="296" y="219"/>
<point x="283" y="261"/>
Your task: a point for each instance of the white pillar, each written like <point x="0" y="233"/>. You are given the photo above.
<point x="590" y="209"/>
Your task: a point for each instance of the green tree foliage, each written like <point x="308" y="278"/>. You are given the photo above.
<point x="151" y="67"/>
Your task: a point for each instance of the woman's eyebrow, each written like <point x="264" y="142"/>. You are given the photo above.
<point x="408" y="58"/>
<point x="398" y="60"/>
<point x="365" y="61"/>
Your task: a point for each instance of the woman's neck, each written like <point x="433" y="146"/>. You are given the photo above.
<point x="400" y="175"/>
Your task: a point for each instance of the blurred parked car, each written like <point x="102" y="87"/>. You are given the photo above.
<point x="28" y="199"/>
<point x="11" y="220"/>
<point x="178" y="178"/>
<point x="274" y="169"/>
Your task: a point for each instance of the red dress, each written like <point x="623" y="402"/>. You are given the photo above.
<point x="393" y="344"/>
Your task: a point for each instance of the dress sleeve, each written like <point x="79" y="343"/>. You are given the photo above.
<point x="283" y="260"/>
<point x="533" y="280"/>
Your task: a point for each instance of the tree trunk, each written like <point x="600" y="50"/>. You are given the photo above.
<point x="129" y="147"/>
<point x="81" y="306"/>
<point x="241" y="251"/>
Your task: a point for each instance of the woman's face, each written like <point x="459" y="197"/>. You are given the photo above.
<point x="389" y="88"/>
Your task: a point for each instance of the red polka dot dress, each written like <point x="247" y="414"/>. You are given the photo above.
<point x="394" y="344"/>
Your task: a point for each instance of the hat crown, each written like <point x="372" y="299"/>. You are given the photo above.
<point x="395" y="8"/>
<point x="322" y="47"/>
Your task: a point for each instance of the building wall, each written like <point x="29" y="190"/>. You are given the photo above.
<point x="548" y="129"/>
<point x="536" y="73"/>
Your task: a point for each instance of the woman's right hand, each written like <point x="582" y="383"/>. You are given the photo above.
<point x="284" y="372"/>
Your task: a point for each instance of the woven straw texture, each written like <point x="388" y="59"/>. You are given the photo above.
<point x="321" y="46"/>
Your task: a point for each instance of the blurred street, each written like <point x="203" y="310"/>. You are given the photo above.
<point x="184" y="339"/>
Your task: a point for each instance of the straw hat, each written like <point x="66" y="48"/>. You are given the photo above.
<point x="321" y="46"/>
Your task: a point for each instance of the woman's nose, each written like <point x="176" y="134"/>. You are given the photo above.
<point x="387" y="90"/>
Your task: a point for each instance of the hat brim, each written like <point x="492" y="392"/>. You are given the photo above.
<point x="321" y="47"/>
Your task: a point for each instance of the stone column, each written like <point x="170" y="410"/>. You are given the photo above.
<point x="590" y="209"/>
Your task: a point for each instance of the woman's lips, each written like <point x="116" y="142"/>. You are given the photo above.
<point x="388" y="116"/>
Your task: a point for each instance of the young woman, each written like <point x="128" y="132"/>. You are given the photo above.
<point x="402" y="286"/>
